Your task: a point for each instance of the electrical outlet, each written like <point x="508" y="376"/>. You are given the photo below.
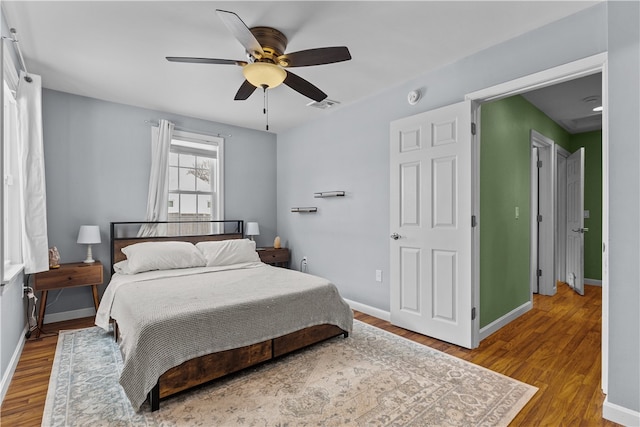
<point x="378" y="275"/>
<point x="305" y="260"/>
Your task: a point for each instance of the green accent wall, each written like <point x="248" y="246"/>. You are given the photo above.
<point x="592" y="143"/>
<point x="505" y="161"/>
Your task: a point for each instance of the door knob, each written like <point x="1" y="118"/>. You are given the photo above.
<point x="580" y="230"/>
<point x="395" y="236"/>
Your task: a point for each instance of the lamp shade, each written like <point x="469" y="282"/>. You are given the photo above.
<point x="262" y="74"/>
<point x="253" y="229"/>
<point x="89" y="234"/>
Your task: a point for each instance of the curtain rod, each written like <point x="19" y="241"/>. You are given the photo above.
<point x="14" y="39"/>
<point x="219" y="135"/>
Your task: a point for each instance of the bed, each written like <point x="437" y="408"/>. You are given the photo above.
<point x="190" y="304"/>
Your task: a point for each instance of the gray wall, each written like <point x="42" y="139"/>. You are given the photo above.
<point x="348" y="239"/>
<point x="13" y="322"/>
<point x="624" y="204"/>
<point x="97" y="163"/>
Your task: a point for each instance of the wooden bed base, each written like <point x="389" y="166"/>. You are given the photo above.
<point x="206" y="368"/>
<point x="209" y="367"/>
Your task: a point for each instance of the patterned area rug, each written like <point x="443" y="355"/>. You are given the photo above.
<point x="372" y="378"/>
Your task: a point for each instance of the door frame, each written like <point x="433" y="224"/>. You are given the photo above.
<point x="580" y="68"/>
<point x="561" y="215"/>
<point x="542" y="234"/>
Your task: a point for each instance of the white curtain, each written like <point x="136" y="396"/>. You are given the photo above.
<point x="35" y="245"/>
<point x="157" y="200"/>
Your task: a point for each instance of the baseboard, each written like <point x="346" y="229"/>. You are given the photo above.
<point x="69" y="315"/>
<point x="13" y="364"/>
<point x="371" y="311"/>
<point x="504" y="320"/>
<point x="593" y="282"/>
<point x="619" y="414"/>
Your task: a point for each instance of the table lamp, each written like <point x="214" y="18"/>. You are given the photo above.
<point x="89" y="235"/>
<point x="253" y="229"/>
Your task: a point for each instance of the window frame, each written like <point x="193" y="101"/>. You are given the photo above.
<point x="217" y="183"/>
<point x="10" y="209"/>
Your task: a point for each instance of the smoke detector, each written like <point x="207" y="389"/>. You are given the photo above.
<point x="324" y="104"/>
<point x="414" y="96"/>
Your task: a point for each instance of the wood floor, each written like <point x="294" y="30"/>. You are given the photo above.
<point x="555" y="347"/>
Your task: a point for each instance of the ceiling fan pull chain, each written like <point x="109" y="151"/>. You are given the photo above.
<point x="265" y="102"/>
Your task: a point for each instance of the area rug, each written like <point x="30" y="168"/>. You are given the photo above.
<point x="372" y="378"/>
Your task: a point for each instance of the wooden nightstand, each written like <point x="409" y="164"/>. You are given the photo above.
<point x="67" y="276"/>
<point x="279" y="257"/>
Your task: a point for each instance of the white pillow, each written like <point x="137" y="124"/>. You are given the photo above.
<point x="147" y="256"/>
<point x="227" y="252"/>
<point x="122" y="267"/>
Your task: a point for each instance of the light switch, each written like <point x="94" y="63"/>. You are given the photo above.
<point x="586" y="213"/>
<point x="517" y="212"/>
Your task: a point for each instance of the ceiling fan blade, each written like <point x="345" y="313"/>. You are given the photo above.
<point x="302" y="86"/>
<point x="241" y="32"/>
<point x="245" y="91"/>
<point x="319" y="56"/>
<point x="205" y="60"/>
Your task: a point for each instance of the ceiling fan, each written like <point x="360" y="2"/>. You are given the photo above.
<point x="267" y="62"/>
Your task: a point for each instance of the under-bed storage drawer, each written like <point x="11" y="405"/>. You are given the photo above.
<point x="206" y="368"/>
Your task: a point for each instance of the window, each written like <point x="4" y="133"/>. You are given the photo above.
<point x="195" y="178"/>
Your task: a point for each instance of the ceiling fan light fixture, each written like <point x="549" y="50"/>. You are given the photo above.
<point x="262" y="74"/>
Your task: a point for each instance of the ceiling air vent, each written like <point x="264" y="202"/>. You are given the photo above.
<point x="324" y="104"/>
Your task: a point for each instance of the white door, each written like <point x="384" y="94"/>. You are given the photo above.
<point x="575" y="221"/>
<point x="430" y="223"/>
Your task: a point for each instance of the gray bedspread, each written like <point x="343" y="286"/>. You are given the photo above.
<point x="165" y="321"/>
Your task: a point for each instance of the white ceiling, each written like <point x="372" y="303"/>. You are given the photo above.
<point x="115" y="50"/>
<point x="570" y="104"/>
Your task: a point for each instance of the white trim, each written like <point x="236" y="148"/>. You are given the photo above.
<point x="605" y="228"/>
<point x="619" y="414"/>
<point x="506" y="319"/>
<point x="13" y="364"/>
<point x="476" y="114"/>
<point x="561" y="157"/>
<point x="543" y="197"/>
<point x="217" y="192"/>
<point x="371" y="311"/>
<point x="593" y="282"/>
<point x="10" y="272"/>
<point x="69" y="315"/>
<point x="562" y="73"/>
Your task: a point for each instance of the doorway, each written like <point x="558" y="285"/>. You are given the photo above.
<point x="557" y="215"/>
<point x="542" y="215"/>
<point x="581" y="68"/>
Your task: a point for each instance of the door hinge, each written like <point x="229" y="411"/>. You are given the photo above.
<point x="473" y="313"/>
<point x="539" y="164"/>
<point x="474" y="222"/>
<point x="539" y="272"/>
<point x="473" y="128"/>
<point x="539" y="218"/>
